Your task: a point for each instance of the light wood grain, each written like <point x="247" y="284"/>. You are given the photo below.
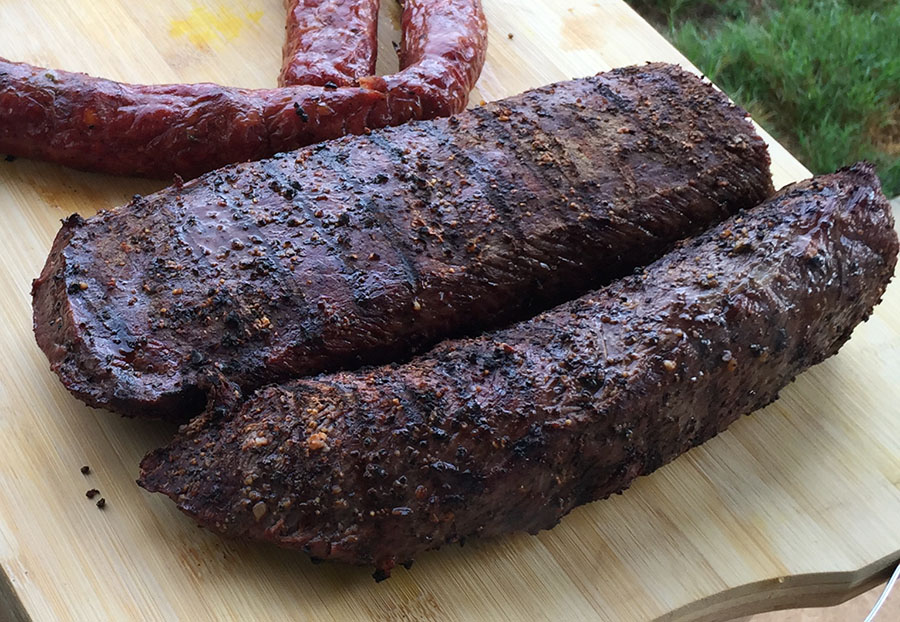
<point x="855" y="610"/>
<point x="800" y="502"/>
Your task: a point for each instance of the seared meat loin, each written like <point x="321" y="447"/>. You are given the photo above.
<point x="511" y="430"/>
<point x="369" y="248"/>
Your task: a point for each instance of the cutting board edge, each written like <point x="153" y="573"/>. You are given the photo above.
<point x="802" y="591"/>
<point x="819" y="589"/>
<point x="22" y="586"/>
<point x="11" y="606"/>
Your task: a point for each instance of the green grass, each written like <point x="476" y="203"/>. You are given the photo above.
<point x="823" y="76"/>
<point x="676" y="11"/>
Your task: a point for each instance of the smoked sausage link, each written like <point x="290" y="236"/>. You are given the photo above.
<point x="187" y="129"/>
<point x="329" y="41"/>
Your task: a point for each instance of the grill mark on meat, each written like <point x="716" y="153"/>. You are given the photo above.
<point x="306" y="203"/>
<point x="569" y="161"/>
<point x="407" y="174"/>
<point x="491" y="125"/>
<point x="476" y="170"/>
<point x="711" y="331"/>
<point x="223" y="294"/>
<point x="518" y="143"/>
<point x="620" y="156"/>
<point x="572" y="162"/>
<point x="240" y="318"/>
<point x="670" y="146"/>
<point x="401" y="173"/>
<point x="395" y="239"/>
<point x="292" y="301"/>
<point x="391" y="235"/>
<point x="450" y="254"/>
<point x="576" y="114"/>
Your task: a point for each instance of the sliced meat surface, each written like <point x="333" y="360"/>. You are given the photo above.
<point x="369" y="248"/>
<point x="511" y="430"/>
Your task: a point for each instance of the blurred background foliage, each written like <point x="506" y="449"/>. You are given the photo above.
<point x="823" y="76"/>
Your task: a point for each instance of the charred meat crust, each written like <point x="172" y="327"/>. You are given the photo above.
<point x="511" y="430"/>
<point x="365" y="249"/>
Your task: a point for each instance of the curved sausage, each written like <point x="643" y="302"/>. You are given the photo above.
<point x="329" y="41"/>
<point x="187" y="129"/>
<point x="441" y="56"/>
<point x="159" y="131"/>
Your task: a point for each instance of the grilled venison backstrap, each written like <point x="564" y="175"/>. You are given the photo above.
<point x="511" y="430"/>
<point x="368" y="248"/>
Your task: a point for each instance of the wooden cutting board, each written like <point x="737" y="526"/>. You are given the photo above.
<point x="799" y="504"/>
